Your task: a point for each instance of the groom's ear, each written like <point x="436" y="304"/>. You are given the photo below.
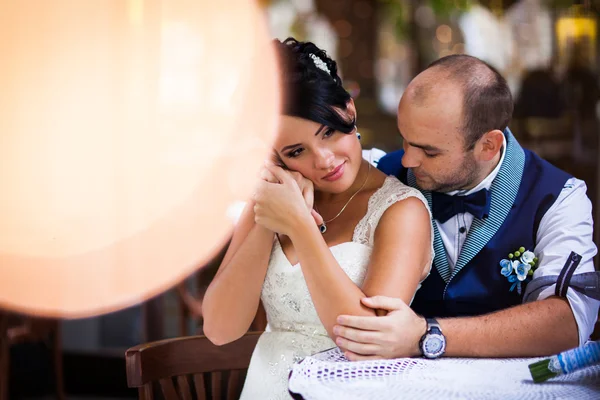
<point x="490" y="145"/>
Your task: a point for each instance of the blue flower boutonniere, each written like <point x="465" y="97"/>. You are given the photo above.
<point x="519" y="267"/>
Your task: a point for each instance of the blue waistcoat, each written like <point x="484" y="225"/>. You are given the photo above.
<point x="524" y="189"/>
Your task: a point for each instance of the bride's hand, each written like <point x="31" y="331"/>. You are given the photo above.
<point x="305" y="185"/>
<point x="308" y="192"/>
<point x="283" y="200"/>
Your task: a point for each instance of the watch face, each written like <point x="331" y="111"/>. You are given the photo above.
<point x="433" y="345"/>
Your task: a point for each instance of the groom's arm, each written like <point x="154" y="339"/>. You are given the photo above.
<point x="545" y="326"/>
<point x="567" y="227"/>
<point x="534" y="329"/>
<point x="550" y="324"/>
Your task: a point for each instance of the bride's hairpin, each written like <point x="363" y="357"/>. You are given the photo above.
<point x="319" y="63"/>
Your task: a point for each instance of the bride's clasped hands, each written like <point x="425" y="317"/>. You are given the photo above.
<point x="284" y="200"/>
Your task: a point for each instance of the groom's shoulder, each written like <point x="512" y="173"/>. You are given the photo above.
<point x="391" y="163"/>
<point x="373" y="155"/>
<point x="541" y="166"/>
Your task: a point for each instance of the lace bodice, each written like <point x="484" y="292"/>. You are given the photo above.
<point x="294" y="329"/>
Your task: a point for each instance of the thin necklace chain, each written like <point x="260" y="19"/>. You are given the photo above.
<point x="351" y="197"/>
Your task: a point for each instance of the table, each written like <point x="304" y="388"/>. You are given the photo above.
<point x="330" y="376"/>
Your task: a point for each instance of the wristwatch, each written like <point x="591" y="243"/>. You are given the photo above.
<point x="433" y="342"/>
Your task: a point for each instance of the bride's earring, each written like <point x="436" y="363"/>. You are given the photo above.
<point x="323" y="227"/>
<point x="358" y="135"/>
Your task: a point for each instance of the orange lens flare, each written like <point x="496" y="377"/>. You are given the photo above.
<point x="127" y="130"/>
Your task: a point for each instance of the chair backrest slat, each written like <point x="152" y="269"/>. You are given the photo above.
<point x="145" y="392"/>
<point x="234" y="383"/>
<point x="184" y="387"/>
<point x="199" y="386"/>
<point x="168" y="389"/>
<point x="216" y="388"/>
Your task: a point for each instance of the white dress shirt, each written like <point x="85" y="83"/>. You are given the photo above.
<point x="454" y="231"/>
<point x="567" y="226"/>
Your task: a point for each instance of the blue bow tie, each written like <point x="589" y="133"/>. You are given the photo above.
<point x="445" y="207"/>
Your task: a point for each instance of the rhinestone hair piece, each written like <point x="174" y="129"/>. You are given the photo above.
<point x="319" y="63"/>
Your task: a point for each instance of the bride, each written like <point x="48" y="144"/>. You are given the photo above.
<point x="323" y="230"/>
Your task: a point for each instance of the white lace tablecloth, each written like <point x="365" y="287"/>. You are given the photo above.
<point x="330" y="376"/>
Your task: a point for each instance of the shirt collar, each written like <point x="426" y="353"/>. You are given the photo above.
<point x="487" y="182"/>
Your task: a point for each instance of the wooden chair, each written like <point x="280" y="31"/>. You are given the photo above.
<point x="16" y="329"/>
<point x="188" y="367"/>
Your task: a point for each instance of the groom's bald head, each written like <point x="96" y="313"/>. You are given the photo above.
<point x="465" y="85"/>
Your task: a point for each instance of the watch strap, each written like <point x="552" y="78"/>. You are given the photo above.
<point x="432" y="323"/>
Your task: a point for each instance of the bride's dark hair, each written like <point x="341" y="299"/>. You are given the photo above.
<point x="309" y="91"/>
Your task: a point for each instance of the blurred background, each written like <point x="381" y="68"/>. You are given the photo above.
<point x="546" y="49"/>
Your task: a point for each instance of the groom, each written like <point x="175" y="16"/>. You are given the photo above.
<point x="491" y="200"/>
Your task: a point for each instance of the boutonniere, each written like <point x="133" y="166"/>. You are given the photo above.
<point x="519" y="267"/>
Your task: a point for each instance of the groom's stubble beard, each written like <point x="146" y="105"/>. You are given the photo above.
<point x="463" y="177"/>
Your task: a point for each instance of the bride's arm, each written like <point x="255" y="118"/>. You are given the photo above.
<point x="402" y="248"/>
<point x="401" y="255"/>
<point x="232" y="299"/>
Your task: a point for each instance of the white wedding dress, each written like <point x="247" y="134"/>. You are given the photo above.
<point x="294" y="329"/>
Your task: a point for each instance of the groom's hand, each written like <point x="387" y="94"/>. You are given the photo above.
<point x="395" y="335"/>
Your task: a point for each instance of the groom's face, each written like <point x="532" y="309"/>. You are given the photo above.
<point x="434" y="143"/>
